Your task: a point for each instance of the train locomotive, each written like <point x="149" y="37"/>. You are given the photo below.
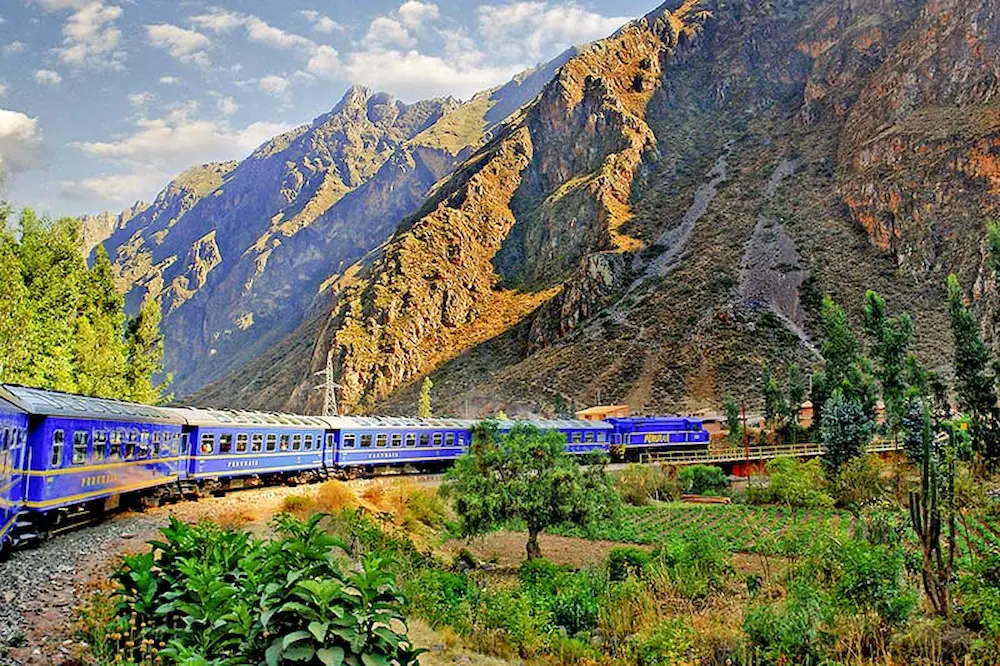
<point x="66" y="458"/>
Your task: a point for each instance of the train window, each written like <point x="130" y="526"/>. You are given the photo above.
<point x="130" y="441"/>
<point x="284" y="442"/>
<point x="165" y="438"/>
<point x="425" y="439"/>
<point x="366" y="440"/>
<point x="602" y="437"/>
<point x="143" y="445"/>
<point x="80" y="447"/>
<point x="226" y="442"/>
<point x="437" y="439"/>
<point x="58" y="438"/>
<point x="349" y="441"/>
<point x="449" y="439"/>
<point x="461" y="439"/>
<point x="577" y="437"/>
<point x="296" y="442"/>
<point x="207" y="443"/>
<point x="4" y="439"/>
<point x="381" y="439"/>
<point x="397" y="439"/>
<point x="272" y="442"/>
<point x="590" y="436"/>
<point x="175" y="444"/>
<point x="184" y="444"/>
<point x="411" y="439"/>
<point x="257" y="442"/>
<point x="329" y="440"/>
<point x="241" y="442"/>
<point x="100" y="446"/>
<point x="309" y="442"/>
<point x="116" y="445"/>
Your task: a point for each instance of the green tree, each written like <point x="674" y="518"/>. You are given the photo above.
<point x="424" y="404"/>
<point x="891" y="338"/>
<point x="845" y="367"/>
<point x="526" y="475"/>
<point x="796" y="396"/>
<point x="774" y="400"/>
<point x="100" y="348"/>
<point x="732" y="409"/>
<point x="847" y="429"/>
<point x="145" y="354"/>
<point x="975" y="384"/>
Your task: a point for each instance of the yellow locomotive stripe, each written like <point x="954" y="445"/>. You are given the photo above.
<point x="82" y="496"/>
<point x="3" y="530"/>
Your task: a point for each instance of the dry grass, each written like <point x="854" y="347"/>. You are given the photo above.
<point x="232" y="519"/>
<point x="334" y="496"/>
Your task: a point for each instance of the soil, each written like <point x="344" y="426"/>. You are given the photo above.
<point x="507" y="549"/>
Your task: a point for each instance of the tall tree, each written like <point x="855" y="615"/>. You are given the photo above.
<point x="526" y="475"/>
<point x="733" y="423"/>
<point x="424" y="404"/>
<point x="774" y="400"/>
<point x="796" y="396"/>
<point x="100" y="348"/>
<point x="891" y="338"/>
<point x="847" y="429"/>
<point x="845" y="367"/>
<point x="974" y="382"/>
<point x="145" y="354"/>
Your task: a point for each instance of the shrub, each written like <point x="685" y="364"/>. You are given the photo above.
<point x="575" y="603"/>
<point x="627" y="561"/>
<point x="859" y="483"/>
<point x="871" y="578"/>
<point x="794" y="483"/>
<point x="298" y="505"/>
<point x="790" y="632"/>
<point x="668" y="643"/>
<point x="703" y="480"/>
<point x="539" y="571"/>
<point x="626" y="609"/>
<point x="639" y="484"/>
<point x="334" y="496"/>
<point x="441" y="597"/>
<point x="696" y="564"/>
<point x="425" y="507"/>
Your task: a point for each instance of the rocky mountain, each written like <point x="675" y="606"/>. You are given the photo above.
<point x="667" y="214"/>
<point x="95" y="229"/>
<point x="237" y="253"/>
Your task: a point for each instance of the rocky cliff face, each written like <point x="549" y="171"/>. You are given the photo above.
<point x="666" y="215"/>
<point x="237" y="253"/>
<point x="95" y="229"/>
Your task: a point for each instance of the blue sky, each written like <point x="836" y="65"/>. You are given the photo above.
<point x="103" y="101"/>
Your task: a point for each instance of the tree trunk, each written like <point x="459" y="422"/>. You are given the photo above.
<point x="534" y="551"/>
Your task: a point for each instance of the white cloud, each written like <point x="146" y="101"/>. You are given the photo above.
<point x="47" y="77"/>
<point x="385" y="32"/>
<point x="169" y="80"/>
<point x="141" y="100"/>
<point x="187" y="46"/>
<point x="227" y="106"/>
<point x="112" y="187"/>
<point x="21" y="144"/>
<point x="320" y="22"/>
<point x="414" y="14"/>
<point x="257" y="30"/>
<point x="3" y="88"/>
<point x="538" y="29"/>
<point x="218" y="20"/>
<point x="413" y="75"/>
<point x="12" y="48"/>
<point x="56" y="5"/>
<point x="273" y="85"/>
<point x="325" y="63"/>
<point x="91" y="38"/>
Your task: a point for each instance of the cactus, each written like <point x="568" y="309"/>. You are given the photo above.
<point x="926" y="508"/>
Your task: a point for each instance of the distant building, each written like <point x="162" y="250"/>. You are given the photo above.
<point x="602" y="412"/>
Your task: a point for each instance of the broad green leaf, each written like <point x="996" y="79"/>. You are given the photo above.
<point x="293" y="637"/>
<point x="318" y="629"/>
<point x="331" y="656"/>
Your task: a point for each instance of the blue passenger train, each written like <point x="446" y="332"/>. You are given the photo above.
<point x="65" y="458"/>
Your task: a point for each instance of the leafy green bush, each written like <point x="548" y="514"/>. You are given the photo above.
<point x="703" y="480"/>
<point x="575" y="602"/>
<point x="669" y="643"/>
<point x="626" y="561"/>
<point x="441" y="597"/>
<point x="640" y="484"/>
<point x="793" y="483"/>
<point x="696" y="563"/>
<point x="871" y="579"/>
<point x="859" y="483"/>
<point x="790" y="632"/>
<point x="220" y="597"/>
<point x="539" y="571"/>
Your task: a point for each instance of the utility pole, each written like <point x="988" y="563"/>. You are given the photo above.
<point x="746" y="439"/>
<point x="329" y="387"/>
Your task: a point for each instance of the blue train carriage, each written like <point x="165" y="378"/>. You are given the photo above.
<point x="86" y="455"/>
<point x="236" y="449"/>
<point x="581" y="436"/>
<point x="365" y="444"/>
<point x="13" y="444"/>
<point x="641" y="434"/>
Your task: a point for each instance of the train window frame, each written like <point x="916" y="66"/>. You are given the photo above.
<point x="349" y="441"/>
<point x="207" y="444"/>
<point x="131" y="440"/>
<point x="576" y="437"/>
<point x="143" y="448"/>
<point x="283" y="443"/>
<point x="396" y="440"/>
<point x="242" y="442"/>
<point x="225" y="442"/>
<point x="366" y="440"/>
<point x="99" y="451"/>
<point x="81" y="441"/>
<point x="411" y="440"/>
<point x="307" y="442"/>
<point x="271" y="442"/>
<point x="381" y="440"/>
<point x="461" y="439"/>
<point x="449" y="439"/>
<point x="4" y="439"/>
<point x="257" y="442"/>
<point x="296" y="442"/>
<point x="58" y="441"/>
<point x="185" y="443"/>
<point x="589" y="436"/>
<point x="425" y="439"/>
<point x="329" y="440"/>
<point x="437" y="439"/>
<point x="175" y="444"/>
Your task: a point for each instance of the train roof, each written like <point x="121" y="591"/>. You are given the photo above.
<point x="42" y="402"/>
<point x="556" y="424"/>
<point x="194" y="416"/>
<point x="374" y="422"/>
